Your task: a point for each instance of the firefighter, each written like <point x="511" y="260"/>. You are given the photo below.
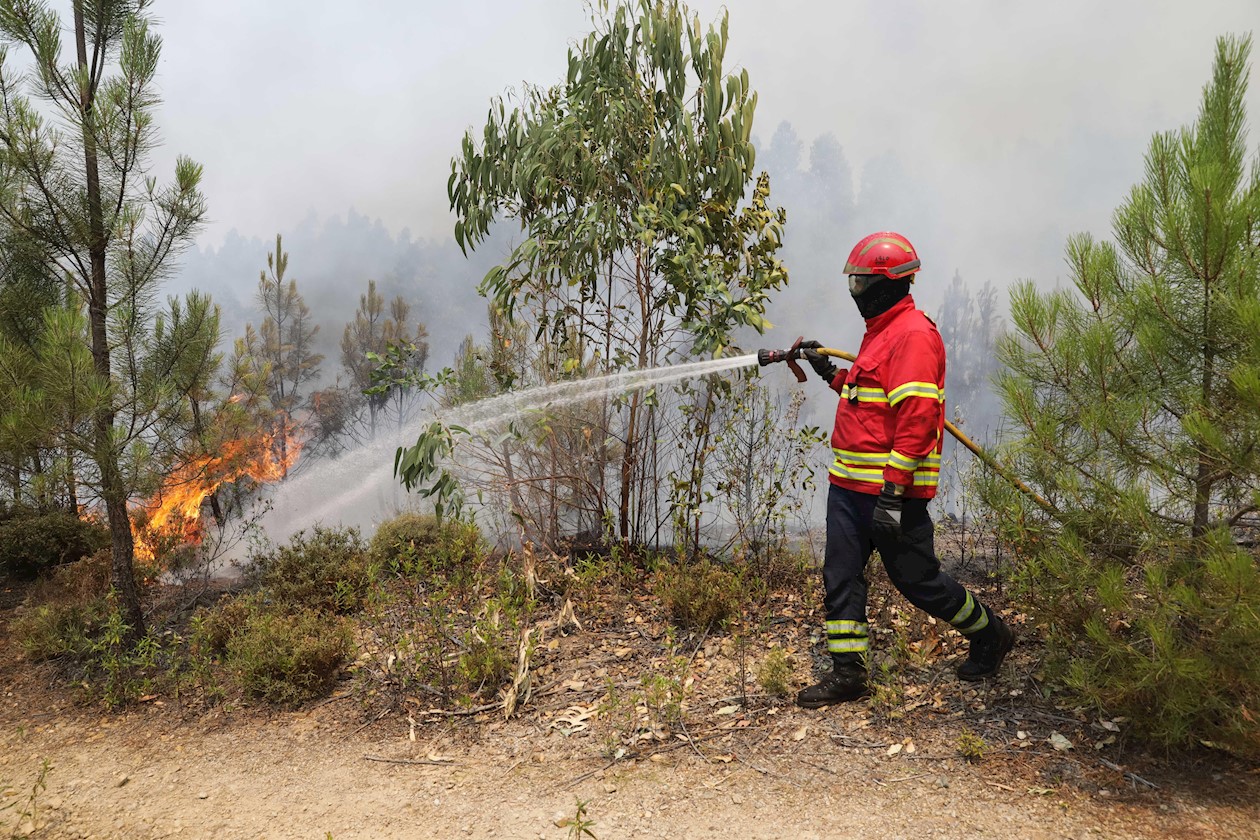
<point x="887" y="447"/>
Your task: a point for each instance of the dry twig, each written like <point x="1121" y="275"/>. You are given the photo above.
<point x="445" y="762"/>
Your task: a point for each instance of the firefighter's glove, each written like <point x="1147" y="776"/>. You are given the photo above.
<point x="821" y="364"/>
<point x="887" y="520"/>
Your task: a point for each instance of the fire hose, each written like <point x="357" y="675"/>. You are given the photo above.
<point x="793" y="354"/>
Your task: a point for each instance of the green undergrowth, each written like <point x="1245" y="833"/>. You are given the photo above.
<point x="702" y="594"/>
<point x="31" y="543"/>
<point x="422" y="615"/>
<point x="1168" y="642"/>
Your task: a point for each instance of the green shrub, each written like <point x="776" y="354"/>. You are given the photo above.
<point x="327" y="570"/>
<point x="29" y="544"/>
<point x="87" y="640"/>
<point x="486" y="661"/>
<point x="117" y="672"/>
<point x="214" y="626"/>
<point x="700" y="595"/>
<point x="419" y="545"/>
<point x="775" y="673"/>
<point x="289" y="658"/>
<point x="56" y="631"/>
<point x="663" y="693"/>
<point x="1169" y="643"/>
<point x="787" y="571"/>
<point x="971" y="746"/>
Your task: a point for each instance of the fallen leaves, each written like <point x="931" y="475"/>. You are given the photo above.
<point x="573" y="719"/>
<point x="906" y="746"/>
<point x="1059" y="742"/>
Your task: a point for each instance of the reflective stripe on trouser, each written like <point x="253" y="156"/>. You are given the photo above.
<point x="911" y="563"/>
<point x="844" y="636"/>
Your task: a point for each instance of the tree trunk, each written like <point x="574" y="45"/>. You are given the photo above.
<point x="113" y="490"/>
<point x="72" y="483"/>
<point x="1203" y="474"/>
<point x="627" y="471"/>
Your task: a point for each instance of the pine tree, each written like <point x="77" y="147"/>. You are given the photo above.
<point x="283" y="347"/>
<point x="1137" y="396"/>
<point x="373" y="332"/>
<point x="77" y="187"/>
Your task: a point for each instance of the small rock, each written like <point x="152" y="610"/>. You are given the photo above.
<point x="203" y="795"/>
<point x="737" y="799"/>
<point x="942" y="782"/>
<point x="609" y="787"/>
<point x="122" y="780"/>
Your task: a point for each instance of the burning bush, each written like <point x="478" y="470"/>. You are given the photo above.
<point x="172" y="517"/>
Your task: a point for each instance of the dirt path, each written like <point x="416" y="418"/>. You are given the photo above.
<point x="764" y="770"/>
<point x="153" y="773"/>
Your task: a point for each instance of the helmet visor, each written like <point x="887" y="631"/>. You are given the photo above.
<point x="859" y="283"/>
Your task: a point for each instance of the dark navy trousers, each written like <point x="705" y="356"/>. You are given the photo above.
<point x="912" y="566"/>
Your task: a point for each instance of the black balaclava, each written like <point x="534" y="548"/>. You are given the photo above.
<point x="881" y="296"/>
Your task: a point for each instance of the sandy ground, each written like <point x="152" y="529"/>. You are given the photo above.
<point x="339" y="769"/>
<point x="154" y="773"/>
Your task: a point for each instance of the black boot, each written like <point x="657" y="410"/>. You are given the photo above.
<point x="847" y="681"/>
<point x="988" y="648"/>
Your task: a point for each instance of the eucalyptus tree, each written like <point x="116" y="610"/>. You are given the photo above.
<point x="645" y="235"/>
<point x="75" y="137"/>
<point x="1136" y="398"/>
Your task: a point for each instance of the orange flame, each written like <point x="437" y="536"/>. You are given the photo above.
<point x="173" y="516"/>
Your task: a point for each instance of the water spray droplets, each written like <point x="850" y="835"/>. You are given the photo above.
<point x="359" y="489"/>
<point x="496" y="412"/>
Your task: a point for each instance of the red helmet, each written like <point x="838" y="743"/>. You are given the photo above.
<point x="886" y="253"/>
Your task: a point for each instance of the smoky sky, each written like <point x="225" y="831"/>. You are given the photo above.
<point x="1012" y="124"/>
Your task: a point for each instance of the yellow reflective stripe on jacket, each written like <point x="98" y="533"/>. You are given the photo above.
<point x="871" y="395"/>
<point x="916" y="389"/>
<point x="849" y="456"/>
<point x="842" y="470"/>
<point x="876" y="476"/>
<point x="922" y="479"/>
<point x="901" y="462"/>
<point x="869" y="466"/>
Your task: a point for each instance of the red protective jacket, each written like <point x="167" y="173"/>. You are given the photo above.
<point x="891" y="417"/>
